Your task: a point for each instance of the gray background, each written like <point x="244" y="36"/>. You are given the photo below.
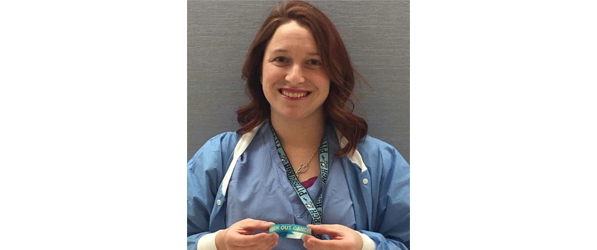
<point x="376" y="34"/>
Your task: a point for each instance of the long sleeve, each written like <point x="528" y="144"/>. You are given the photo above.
<point x="389" y="218"/>
<point x="205" y="172"/>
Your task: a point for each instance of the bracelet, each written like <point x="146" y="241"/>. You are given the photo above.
<point x="291" y="231"/>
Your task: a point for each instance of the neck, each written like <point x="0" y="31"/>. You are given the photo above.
<point x="302" y="134"/>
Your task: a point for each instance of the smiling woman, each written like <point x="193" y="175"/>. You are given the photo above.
<point x="294" y="83"/>
<point x="300" y="82"/>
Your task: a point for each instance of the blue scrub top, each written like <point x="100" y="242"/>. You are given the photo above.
<point x="259" y="189"/>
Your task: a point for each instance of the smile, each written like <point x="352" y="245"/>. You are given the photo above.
<point x="294" y="94"/>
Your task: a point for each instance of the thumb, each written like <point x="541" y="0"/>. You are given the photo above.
<point x="257" y="224"/>
<point x="325" y="229"/>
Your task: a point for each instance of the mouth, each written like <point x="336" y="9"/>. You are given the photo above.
<point x="294" y="93"/>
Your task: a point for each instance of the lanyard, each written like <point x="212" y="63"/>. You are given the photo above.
<point x="316" y="210"/>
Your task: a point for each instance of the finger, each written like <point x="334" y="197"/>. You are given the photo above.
<point x="252" y="240"/>
<point x="331" y="230"/>
<point x="249" y="226"/>
<point x="273" y="244"/>
<point x="261" y="246"/>
<point x="253" y="224"/>
<point x="306" y="239"/>
<point x="314" y="244"/>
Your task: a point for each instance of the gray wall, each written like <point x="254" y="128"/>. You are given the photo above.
<point x="376" y="34"/>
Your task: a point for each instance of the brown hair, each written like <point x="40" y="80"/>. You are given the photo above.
<point x="335" y="61"/>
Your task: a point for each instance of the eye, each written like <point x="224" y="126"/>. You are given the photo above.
<point x="314" y="62"/>
<point x="280" y="59"/>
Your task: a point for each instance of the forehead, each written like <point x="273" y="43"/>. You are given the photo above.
<point x="291" y="36"/>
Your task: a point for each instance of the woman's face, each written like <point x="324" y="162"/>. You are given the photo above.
<point x="293" y="79"/>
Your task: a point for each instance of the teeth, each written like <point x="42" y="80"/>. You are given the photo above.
<point x="294" y="95"/>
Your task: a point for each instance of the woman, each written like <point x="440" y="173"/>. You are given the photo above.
<point x="300" y="155"/>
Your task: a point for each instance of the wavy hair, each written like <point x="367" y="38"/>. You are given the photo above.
<point x="338" y="107"/>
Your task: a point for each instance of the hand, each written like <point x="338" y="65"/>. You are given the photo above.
<point x="341" y="236"/>
<point x="240" y="235"/>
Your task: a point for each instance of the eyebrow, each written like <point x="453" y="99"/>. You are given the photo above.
<point x="286" y="51"/>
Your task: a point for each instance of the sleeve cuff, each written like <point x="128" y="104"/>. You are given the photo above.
<point x="208" y="241"/>
<point x="368" y="243"/>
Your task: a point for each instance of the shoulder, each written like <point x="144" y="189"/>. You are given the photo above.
<point x="373" y="146"/>
<point x="219" y="146"/>
<point x="376" y="152"/>
<point x="224" y="140"/>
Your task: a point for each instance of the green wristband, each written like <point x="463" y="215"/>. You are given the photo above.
<point x="291" y="231"/>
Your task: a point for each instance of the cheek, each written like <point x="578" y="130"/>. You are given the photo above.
<point x="268" y="75"/>
<point x="327" y="89"/>
<point x="323" y="82"/>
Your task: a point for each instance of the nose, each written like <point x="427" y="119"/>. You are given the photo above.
<point x="295" y="74"/>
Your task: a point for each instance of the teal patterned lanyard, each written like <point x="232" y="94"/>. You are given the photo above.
<point x="316" y="210"/>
